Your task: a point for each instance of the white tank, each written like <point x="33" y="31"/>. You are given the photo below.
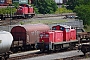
<point x="5" y="41"/>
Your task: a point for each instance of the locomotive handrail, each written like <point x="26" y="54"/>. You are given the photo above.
<point x="66" y="42"/>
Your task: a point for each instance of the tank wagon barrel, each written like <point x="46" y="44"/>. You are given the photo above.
<point x="5" y="43"/>
<point x="25" y="36"/>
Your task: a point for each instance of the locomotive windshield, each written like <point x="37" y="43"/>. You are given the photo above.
<point x="54" y="28"/>
<point x="67" y="29"/>
<point x="62" y="28"/>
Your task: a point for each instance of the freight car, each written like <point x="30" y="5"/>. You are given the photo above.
<point x="84" y="47"/>
<point x="60" y="37"/>
<point x="5" y="2"/>
<point x="26" y="36"/>
<point x="5" y="43"/>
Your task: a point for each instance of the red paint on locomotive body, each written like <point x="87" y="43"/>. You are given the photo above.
<point x="72" y="34"/>
<point x="53" y="36"/>
<point x="58" y="36"/>
<point x="56" y="27"/>
<point x="25" y="9"/>
<point x="65" y="29"/>
<point x="31" y="10"/>
<point x="47" y="37"/>
<point x="61" y="36"/>
<point x="22" y="10"/>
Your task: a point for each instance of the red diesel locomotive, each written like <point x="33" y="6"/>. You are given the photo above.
<point x="25" y="11"/>
<point x="61" y="36"/>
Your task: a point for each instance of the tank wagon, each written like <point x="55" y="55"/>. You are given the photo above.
<point x="25" y="36"/>
<point x="60" y="37"/>
<point x="5" y="43"/>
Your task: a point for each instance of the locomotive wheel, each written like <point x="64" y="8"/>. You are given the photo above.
<point x="22" y="49"/>
<point x="72" y="46"/>
<point x="29" y="47"/>
<point x="3" y="58"/>
<point x="26" y="48"/>
<point x="42" y="50"/>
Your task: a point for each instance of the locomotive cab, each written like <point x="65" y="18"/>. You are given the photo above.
<point x="45" y="39"/>
<point x="49" y="39"/>
<point x="65" y="29"/>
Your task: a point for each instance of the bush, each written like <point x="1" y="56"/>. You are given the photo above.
<point x="22" y="23"/>
<point x="63" y="10"/>
<point x="7" y="10"/>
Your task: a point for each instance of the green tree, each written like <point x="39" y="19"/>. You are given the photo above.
<point x="63" y="10"/>
<point x="82" y="9"/>
<point x="16" y="4"/>
<point x="45" y="6"/>
<point x="83" y="13"/>
<point x="71" y="4"/>
<point x="7" y="10"/>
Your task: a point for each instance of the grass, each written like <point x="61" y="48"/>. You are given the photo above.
<point x="87" y="28"/>
<point x="45" y="21"/>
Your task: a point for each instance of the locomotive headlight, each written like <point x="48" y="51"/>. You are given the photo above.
<point x="47" y="35"/>
<point x="41" y="35"/>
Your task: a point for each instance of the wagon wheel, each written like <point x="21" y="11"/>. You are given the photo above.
<point x="84" y="50"/>
<point x="22" y="48"/>
<point x="3" y="58"/>
<point x="14" y="50"/>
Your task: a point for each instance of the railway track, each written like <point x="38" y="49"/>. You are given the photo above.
<point x="28" y="56"/>
<point x="75" y="58"/>
<point x="9" y="21"/>
<point x="38" y="54"/>
<point x="24" y="55"/>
